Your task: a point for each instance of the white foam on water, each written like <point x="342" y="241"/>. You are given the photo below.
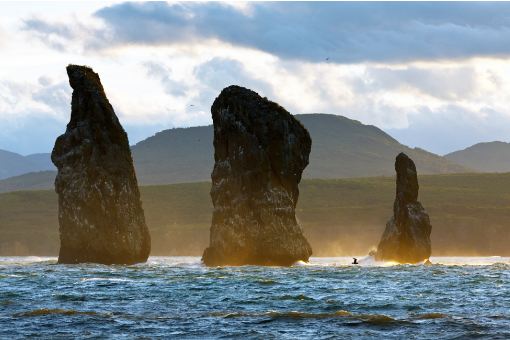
<point x="22" y="260"/>
<point x="106" y="279"/>
<point x="470" y="260"/>
<point x="363" y="261"/>
<point x="369" y="261"/>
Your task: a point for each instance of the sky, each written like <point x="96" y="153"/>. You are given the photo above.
<point x="433" y="75"/>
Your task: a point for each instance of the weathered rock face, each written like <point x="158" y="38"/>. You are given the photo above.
<point x="260" y="153"/>
<point x="406" y="238"/>
<point x="100" y="212"/>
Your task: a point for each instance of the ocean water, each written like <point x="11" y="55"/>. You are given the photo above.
<point x="177" y="297"/>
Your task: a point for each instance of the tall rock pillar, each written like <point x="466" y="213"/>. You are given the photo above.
<point x="100" y="213"/>
<point x="406" y="238"/>
<point x="260" y="153"/>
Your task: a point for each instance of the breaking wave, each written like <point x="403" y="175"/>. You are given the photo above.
<point x="46" y="311"/>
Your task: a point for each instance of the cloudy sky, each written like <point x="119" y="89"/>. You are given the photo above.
<point x="433" y="75"/>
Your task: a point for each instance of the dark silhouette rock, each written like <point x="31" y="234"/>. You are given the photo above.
<point x="406" y="238"/>
<point x="260" y="153"/>
<point x="100" y="212"/>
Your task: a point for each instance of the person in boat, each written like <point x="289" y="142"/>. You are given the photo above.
<point x="355" y="260"/>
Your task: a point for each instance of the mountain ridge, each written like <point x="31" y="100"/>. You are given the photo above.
<point x="341" y="148"/>
<point x="14" y="164"/>
<point x="484" y="157"/>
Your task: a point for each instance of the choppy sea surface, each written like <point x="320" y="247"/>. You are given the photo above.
<point x="177" y="297"/>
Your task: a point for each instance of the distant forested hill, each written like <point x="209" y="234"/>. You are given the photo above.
<point x="469" y="215"/>
<point x="175" y="156"/>
<point x="344" y="148"/>
<point x="13" y="164"/>
<point x="341" y="148"/>
<point x="484" y="157"/>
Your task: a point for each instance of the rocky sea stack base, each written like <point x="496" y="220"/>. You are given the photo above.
<point x="406" y="238"/>
<point x="260" y="152"/>
<point x="100" y="212"/>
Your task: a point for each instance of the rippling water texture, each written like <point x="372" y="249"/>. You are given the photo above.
<point x="328" y="298"/>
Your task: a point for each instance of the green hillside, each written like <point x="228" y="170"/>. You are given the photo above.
<point x="41" y="180"/>
<point x="13" y="164"/>
<point x="175" y="156"/>
<point x="484" y="157"/>
<point x="341" y="148"/>
<point x="469" y="214"/>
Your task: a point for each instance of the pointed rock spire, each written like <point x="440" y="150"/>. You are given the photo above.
<point x="406" y="238"/>
<point x="260" y="153"/>
<point x="100" y="213"/>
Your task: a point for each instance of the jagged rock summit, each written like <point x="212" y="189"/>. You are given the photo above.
<point x="100" y="212"/>
<point x="406" y="238"/>
<point x="260" y="152"/>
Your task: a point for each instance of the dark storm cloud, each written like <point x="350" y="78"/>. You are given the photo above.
<point x="341" y="32"/>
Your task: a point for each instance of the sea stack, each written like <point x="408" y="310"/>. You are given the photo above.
<point x="99" y="208"/>
<point x="260" y="152"/>
<point x="406" y="238"/>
